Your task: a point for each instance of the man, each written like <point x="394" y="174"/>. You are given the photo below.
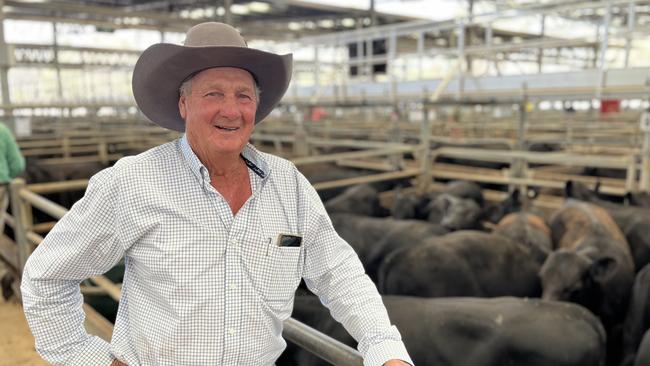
<point x="215" y="234"/>
<point x="12" y="163"/>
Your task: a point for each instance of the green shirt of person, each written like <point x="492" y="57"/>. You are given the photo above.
<point x="12" y="162"/>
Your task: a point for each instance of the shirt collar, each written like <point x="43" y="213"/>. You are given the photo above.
<point x="252" y="157"/>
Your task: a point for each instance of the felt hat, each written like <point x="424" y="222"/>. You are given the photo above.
<point x="162" y="68"/>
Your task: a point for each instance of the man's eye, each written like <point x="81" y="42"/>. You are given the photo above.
<point x="214" y="94"/>
<point x="245" y="96"/>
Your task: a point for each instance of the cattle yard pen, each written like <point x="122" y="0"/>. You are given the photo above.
<point x="423" y="150"/>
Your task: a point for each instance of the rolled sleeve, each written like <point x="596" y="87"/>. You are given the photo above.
<point x="382" y="352"/>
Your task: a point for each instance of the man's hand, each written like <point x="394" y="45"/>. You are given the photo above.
<point x="396" y="363"/>
<point x="118" y="363"/>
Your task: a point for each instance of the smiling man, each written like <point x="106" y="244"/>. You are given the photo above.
<point x="216" y="235"/>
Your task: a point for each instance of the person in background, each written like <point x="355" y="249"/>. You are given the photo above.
<point x="216" y="235"/>
<point x="12" y="164"/>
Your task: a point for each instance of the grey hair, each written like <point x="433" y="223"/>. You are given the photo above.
<point x="186" y="88"/>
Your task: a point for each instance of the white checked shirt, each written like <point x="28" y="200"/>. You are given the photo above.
<point x="201" y="286"/>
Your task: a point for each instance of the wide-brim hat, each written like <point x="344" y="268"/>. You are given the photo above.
<point x="162" y="68"/>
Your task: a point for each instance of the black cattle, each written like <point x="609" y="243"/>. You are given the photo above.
<point x="409" y="205"/>
<point x="466" y="190"/>
<point x="362" y="199"/>
<point x="457" y="207"/>
<point x="374" y="238"/>
<point x="637" y="321"/>
<point x="634" y="222"/>
<point x="474" y="332"/>
<point x="641" y="199"/>
<point x="463" y="263"/>
<point x="643" y="356"/>
<point x="528" y="230"/>
<point x="592" y="266"/>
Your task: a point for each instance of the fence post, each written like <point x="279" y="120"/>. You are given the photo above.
<point x="102" y="148"/>
<point x="21" y="222"/>
<point x="66" y="147"/>
<point x="644" y="184"/>
<point x="300" y="145"/>
<point x="425" y="151"/>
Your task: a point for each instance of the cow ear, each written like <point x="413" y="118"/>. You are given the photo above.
<point x="602" y="268"/>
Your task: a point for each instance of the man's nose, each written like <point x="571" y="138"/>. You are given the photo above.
<point x="230" y="108"/>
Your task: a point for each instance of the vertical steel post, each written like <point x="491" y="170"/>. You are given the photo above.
<point x="645" y="154"/>
<point x="461" y="59"/>
<point x="4" y="65"/>
<point x="57" y="67"/>
<point x="420" y="50"/>
<point x="602" y="67"/>
<point x="425" y="150"/>
<point x="631" y="24"/>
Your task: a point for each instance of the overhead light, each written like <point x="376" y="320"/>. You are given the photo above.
<point x="221" y="11"/>
<point x="239" y="9"/>
<point x="348" y="22"/>
<point x="259" y="7"/>
<point x="326" y="23"/>
<point x="295" y="26"/>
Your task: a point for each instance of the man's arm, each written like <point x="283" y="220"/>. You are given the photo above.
<point x="334" y="273"/>
<point x="84" y="243"/>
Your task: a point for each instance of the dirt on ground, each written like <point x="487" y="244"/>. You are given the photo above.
<point x="16" y="342"/>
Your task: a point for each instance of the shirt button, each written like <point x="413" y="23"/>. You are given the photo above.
<point x="231" y="331"/>
<point x="233" y="242"/>
<point x="232" y="286"/>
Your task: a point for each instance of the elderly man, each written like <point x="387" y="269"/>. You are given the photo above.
<point x="216" y="235"/>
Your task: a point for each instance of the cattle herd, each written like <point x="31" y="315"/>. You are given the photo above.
<point x="475" y="284"/>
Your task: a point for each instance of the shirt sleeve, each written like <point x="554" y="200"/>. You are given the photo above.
<point x="334" y="272"/>
<point x="84" y="243"/>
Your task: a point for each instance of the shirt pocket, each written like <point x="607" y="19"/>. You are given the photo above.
<point x="276" y="273"/>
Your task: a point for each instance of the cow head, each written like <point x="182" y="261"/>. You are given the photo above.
<point x="574" y="276"/>
<point x="580" y="191"/>
<point x="563" y="275"/>
<point x="454" y="213"/>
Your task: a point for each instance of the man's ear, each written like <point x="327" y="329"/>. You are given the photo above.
<point x="181" y="106"/>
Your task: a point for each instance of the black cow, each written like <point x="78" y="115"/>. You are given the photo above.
<point x="463" y="263"/>
<point x="641" y="199"/>
<point x="592" y="266"/>
<point x="528" y="230"/>
<point x="362" y="199"/>
<point x="374" y="238"/>
<point x="633" y="221"/>
<point x="643" y="356"/>
<point x="637" y="321"/>
<point x="457" y="207"/>
<point x="474" y="332"/>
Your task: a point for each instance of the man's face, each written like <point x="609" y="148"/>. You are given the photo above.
<point x="219" y="110"/>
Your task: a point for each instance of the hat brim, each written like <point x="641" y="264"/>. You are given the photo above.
<point x="162" y="68"/>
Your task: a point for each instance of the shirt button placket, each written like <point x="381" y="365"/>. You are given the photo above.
<point x="233" y="300"/>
